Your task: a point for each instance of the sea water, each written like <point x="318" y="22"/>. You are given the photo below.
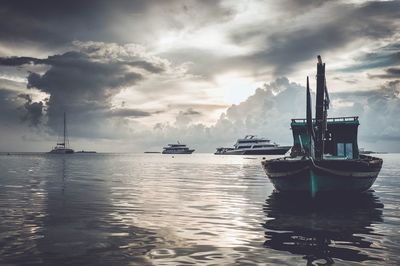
<point x="198" y="209"/>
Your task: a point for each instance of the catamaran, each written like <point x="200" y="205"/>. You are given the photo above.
<point x="63" y="147"/>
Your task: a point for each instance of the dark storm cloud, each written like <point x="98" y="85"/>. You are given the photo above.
<point x="14" y="107"/>
<point x="382" y="57"/>
<point x="79" y="85"/>
<point x="292" y="45"/>
<point x="84" y="84"/>
<point x="283" y="46"/>
<point x="33" y="110"/>
<point x="56" y="23"/>
<point x="18" y="61"/>
<point x="390" y="73"/>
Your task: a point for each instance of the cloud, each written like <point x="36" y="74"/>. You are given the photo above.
<point x="8" y="106"/>
<point x="147" y="66"/>
<point x="79" y="85"/>
<point x="383" y="56"/>
<point x="190" y="111"/>
<point x="202" y="106"/>
<point x="18" y="61"/>
<point x="52" y="24"/>
<point x="34" y="110"/>
<point x="268" y="113"/>
<point x="163" y="60"/>
<point x="15" y="107"/>
<point x="288" y="45"/>
<point x="377" y="111"/>
<point x="390" y="73"/>
<point x="126" y="112"/>
<point x="84" y="82"/>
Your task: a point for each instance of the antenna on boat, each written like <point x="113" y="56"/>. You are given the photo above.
<point x="321" y="105"/>
<point x="310" y="128"/>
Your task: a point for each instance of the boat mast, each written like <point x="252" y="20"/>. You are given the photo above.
<point x="310" y="127"/>
<point x="64" y="130"/>
<point x="320" y="110"/>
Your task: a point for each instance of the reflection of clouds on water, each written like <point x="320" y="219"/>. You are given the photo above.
<point x="334" y="226"/>
<point x="190" y="203"/>
<point x="63" y="216"/>
<point x="81" y="226"/>
<point x="202" y="207"/>
<point x="198" y="209"/>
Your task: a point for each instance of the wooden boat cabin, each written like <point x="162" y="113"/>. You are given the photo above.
<point x="340" y="138"/>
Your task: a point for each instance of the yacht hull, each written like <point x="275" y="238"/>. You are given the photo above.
<point x="178" y="152"/>
<point x="306" y="175"/>
<point x="275" y="151"/>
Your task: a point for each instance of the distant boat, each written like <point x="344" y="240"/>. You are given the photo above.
<point x="152" y="152"/>
<point x="251" y="145"/>
<point x="63" y="147"/>
<point x="325" y="155"/>
<point x="177" y="149"/>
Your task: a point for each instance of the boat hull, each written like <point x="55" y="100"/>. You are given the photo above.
<point x="178" y="152"/>
<point x="61" y="151"/>
<point x="306" y="175"/>
<point x="275" y="151"/>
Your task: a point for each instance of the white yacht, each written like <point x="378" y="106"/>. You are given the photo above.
<point x="251" y="145"/>
<point x="177" y="149"/>
<point x="63" y="147"/>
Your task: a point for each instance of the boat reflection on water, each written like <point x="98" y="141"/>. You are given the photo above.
<point x="324" y="228"/>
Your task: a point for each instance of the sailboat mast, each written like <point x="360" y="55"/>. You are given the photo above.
<point x="64" y="128"/>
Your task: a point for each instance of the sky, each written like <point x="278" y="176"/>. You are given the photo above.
<point x="133" y="76"/>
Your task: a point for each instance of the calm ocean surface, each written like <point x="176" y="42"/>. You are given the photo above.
<point x="153" y="209"/>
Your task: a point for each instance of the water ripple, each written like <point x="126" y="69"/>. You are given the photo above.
<point x="119" y="209"/>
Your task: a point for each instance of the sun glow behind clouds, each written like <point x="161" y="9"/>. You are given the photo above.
<point x="208" y="38"/>
<point x="236" y="88"/>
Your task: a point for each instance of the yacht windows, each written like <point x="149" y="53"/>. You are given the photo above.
<point x="244" y="147"/>
<point x="263" y="146"/>
<point x="253" y="141"/>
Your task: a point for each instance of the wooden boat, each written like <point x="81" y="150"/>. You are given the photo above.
<point x="325" y="155"/>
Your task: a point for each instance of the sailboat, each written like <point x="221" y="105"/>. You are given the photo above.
<point x="325" y="155"/>
<point x="63" y="147"/>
